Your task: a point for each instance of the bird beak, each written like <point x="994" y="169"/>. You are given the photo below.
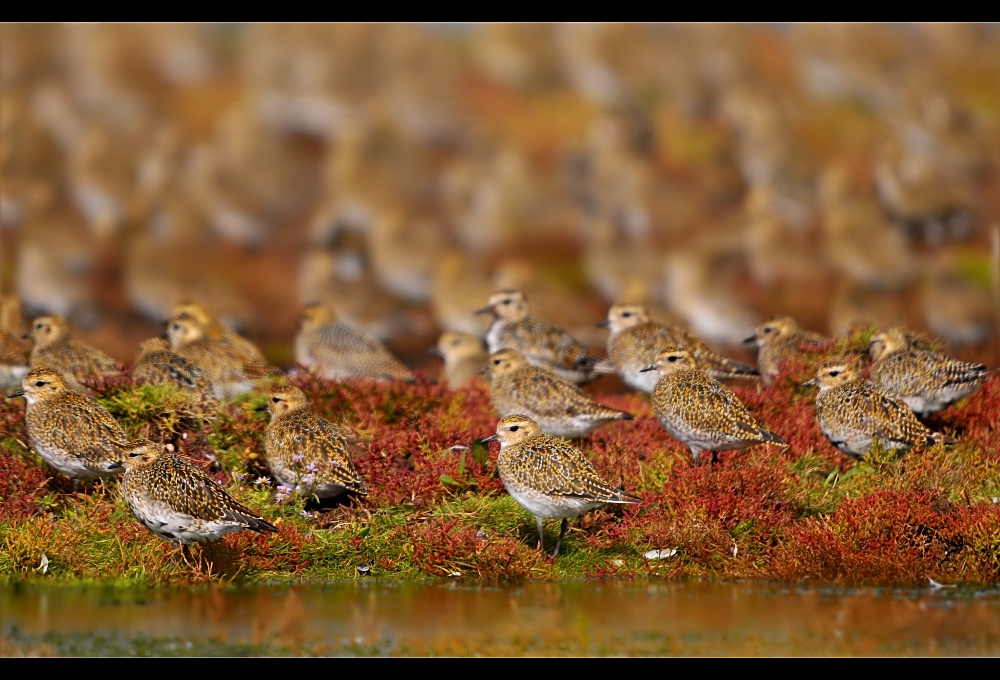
<point x="867" y="350"/>
<point x="434" y="352"/>
<point x="603" y="324"/>
<point x="809" y="383"/>
<point x="114" y="466"/>
<point x="19" y="393"/>
<point x="648" y="368"/>
<point x="26" y="336"/>
<point x="752" y="338"/>
<point x="485" y="310"/>
<point x="261" y="408"/>
<point x="491" y="438"/>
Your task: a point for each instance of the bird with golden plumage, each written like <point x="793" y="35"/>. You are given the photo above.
<point x="56" y="348"/>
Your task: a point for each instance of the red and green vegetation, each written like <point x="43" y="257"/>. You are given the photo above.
<point x="805" y="512"/>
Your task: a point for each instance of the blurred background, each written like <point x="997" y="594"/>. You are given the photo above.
<point x="844" y="175"/>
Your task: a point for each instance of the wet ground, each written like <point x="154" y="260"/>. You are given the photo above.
<point x="370" y="617"/>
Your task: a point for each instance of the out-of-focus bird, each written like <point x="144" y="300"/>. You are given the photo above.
<point x="778" y="339"/>
<point x="547" y="477"/>
<point x="157" y="365"/>
<point x="464" y="357"/>
<point x="219" y="333"/>
<point x="457" y="291"/>
<point x="15" y="352"/>
<point x="56" y="348"/>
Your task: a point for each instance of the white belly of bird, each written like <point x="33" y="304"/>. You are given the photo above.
<point x="177" y="527"/>
<point x="69" y="464"/>
<point x="644" y="382"/>
<point x="550" y="507"/>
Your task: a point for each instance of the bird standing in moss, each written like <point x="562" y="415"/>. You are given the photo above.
<point x="558" y="406"/>
<point x="71" y="432"/>
<point x="177" y="501"/>
<point x="157" y="365"/>
<point x="304" y="451"/>
<point x="699" y="410"/>
<point x="854" y="414"/>
<point x="548" y="477"/>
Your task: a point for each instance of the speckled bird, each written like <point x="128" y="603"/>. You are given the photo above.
<point x="15" y="351"/>
<point x="157" y="365"/>
<point x="778" y="339"/>
<point x="557" y="405"/>
<point x="337" y="351"/>
<point x="305" y="452"/>
<point x="464" y="357"/>
<point x="229" y="370"/>
<point x="853" y="414"/>
<point x="177" y="501"/>
<point x="71" y="432"/>
<point x="542" y="344"/>
<point x="699" y="410"/>
<point x="220" y="333"/>
<point x="547" y="477"/>
<point x="55" y="348"/>
<point x="636" y="341"/>
<point x="925" y="380"/>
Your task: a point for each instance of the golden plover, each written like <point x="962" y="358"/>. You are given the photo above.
<point x="464" y="357"/>
<point x="635" y="343"/>
<point x="777" y="340"/>
<point x="699" y="410"/>
<point x="926" y="381"/>
<point x="71" y="432"/>
<point x="55" y="348"/>
<point x="177" y="501"/>
<point x="853" y="414"/>
<point x="543" y="345"/>
<point x="229" y="370"/>
<point x="157" y="365"/>
<point x="219" y="333"/>
<point x="557" y="405"/>
<point x="547" y="477"/>
<point x="15" y="351"/>
<point x="337" y="351"/>
<point x="304" y="451"/>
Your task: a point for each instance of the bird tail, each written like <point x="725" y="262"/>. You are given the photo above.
<point x="624" y="498"/>
<point x="771" y="438"/>
<point x="939" y="438"/>
<point x="605" y="367"/>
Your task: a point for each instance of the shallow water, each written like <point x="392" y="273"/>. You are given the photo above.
<point x="595" y="618"/>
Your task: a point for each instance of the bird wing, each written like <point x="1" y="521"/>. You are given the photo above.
<point x="887" y="417"/>
<point x="194" y="493"/>
<point x="546" y="464"/>
<point x="710" y="405"/>
<point x="551" y="396"/>
<point x="320" y="442"/>
<point x="542" y="341"/>
<point x="86" y="429"/>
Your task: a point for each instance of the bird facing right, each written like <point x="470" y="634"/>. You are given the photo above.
<point x="925" y="380"/>
<point x="699" y="410"/>
<point x="177" y="501"/>
<point x="854" y="414"/>
<point x="548" y="477"/>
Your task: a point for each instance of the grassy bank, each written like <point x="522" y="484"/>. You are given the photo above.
<point x="805" y="512"/>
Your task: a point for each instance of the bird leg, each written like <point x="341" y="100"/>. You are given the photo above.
<point x="562" y="532"/>
<point x="541" y="534"/>
<point x="696" y="454"/>
<point x="76" y="484"/>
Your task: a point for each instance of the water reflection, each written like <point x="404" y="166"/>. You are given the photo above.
<point x="372" y="617"/>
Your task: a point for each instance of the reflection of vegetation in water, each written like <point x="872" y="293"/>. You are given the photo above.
<point x="805" y="512"/>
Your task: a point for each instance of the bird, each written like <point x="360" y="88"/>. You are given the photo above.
<point x="177" y="501"/>
<point x="635" y="342"/>
<point x="71" y="432"/>
<point x="542" y="344"/>
<point x="548" y="477"/>
<point x="556" y="404"/>
<point x="228" y="369"/>
<point x="464" y="357"/>
<point x="699" y="410"/>
<point x="56" y="348"/>
<point x="925" y="380"/>
<point x="778" y="339"/>
<point x="337" y="351"/>
<point x="157" y="365"/>
<point x="15" y="352"/>
<point x="217" y="332"/>
<point x="305" y="451"/>
<point x="854" y="414"/>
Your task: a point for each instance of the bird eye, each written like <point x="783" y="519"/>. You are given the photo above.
<point x="671" y="358"/>
<point x="513" y="428"/>
<point x="177" y="326"/>
<point x="496" y="362"/>
<point x="134" y="455"/>
<point x="768" y="330"/>
<point x="626" y="314"/>
<point x="38" y="325"/>
<point x="834" y="373"/>
<point x="275" y="399"/>
<point x="39" y="383"/>
<point x="507" y="302"/>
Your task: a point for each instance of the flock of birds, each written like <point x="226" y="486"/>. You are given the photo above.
<point x="534" y="370"/>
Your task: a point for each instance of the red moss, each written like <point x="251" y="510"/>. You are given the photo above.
<point x="445" y="548"/>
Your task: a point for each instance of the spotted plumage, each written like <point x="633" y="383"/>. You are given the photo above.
<point x="15" y="351"/>
<point x="924" y="380"/>
<point x="557" y="405"/>
<point x="177" y="501"/>
<point x="464" y="357"/>
<point x="55" y="348"/>
<point x="547" y="477"/>
<point x="636" y="341"/>
<point x="699" y="410"/>
<point x="306" y="452"/>
<point x="337" y="351"/>
<point x="220" y="333"/>
<point x="779" y="339"/>
<point x="542" y="344"/>
<point x="157" y="365"/>
<point x="229" y="370"/>
<point x="853" y="414"/>
<point x="71" y="432"/>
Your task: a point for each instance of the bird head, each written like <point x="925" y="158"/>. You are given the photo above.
<point x="283" y="399"/>
<point x="455" y="346"/>
<point x="505" y="361"/>
<point x="622" y="317"/>
<point x="512" y="430"/>
<point x="773" y="330"/>
<point x="48" y="329"/>
<point x="183" y="330"/>
<point x="316" y="314"/>
<point x="886" y="343"/>
<point x="139" y="453"/>
<point x="833" y="374"/>
<point x="39" y="384"/>
<point x="511" y="305"/>
<point x="671" y="359"/>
